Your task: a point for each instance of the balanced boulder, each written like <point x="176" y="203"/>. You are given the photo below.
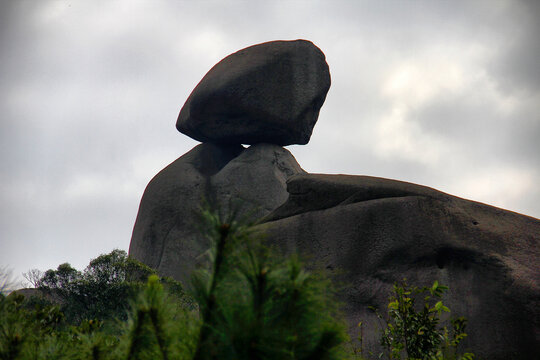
<point x="266" y="93"/>
<point x="369" y="232"/>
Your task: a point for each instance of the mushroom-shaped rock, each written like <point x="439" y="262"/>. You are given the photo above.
<point x="266" y="93"/>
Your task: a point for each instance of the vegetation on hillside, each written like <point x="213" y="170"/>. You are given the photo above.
<point x="103" y="290"/>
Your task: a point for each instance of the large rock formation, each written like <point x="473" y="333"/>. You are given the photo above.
<point x="267" y="93"/>
<point x="166" y="234"/>
<point x="371" y="232"/>
<point x="375" y="232"/>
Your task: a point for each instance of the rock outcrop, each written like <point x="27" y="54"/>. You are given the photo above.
<point x="370" y="231"/>
<point x="375" y="232"/>
<point x="267" y="93"/>
<point x="166" y="234"/>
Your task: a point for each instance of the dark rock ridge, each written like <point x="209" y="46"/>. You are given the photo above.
<point x="266" y="93"/>
<point x="375" y="232"/>
<point x="253" y="180"/>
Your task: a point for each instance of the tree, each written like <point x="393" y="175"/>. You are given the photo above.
<point x="33" y="276"/>
<point x="256" y="304"/>
<point x="102" y="291"/>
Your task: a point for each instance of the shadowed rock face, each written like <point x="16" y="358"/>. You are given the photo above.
<point x="374" y="232"/>
<point x="166" y="234"/>
<point x="266" y="93"/>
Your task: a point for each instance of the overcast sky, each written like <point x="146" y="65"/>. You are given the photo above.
<point x="440" y="93"/>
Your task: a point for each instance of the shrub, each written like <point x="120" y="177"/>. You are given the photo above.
<point x="417" y="334"/>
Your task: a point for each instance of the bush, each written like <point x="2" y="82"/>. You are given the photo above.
<point x="417" y="334"/>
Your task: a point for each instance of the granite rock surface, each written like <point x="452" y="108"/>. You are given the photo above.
<point x="250" y="181"/>
<point x="266" y="93"/>
<point x="373" y="232"/>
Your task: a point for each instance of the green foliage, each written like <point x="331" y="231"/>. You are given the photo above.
<point x="86" y="322"/>
<point x="417" y="334"/>
<point x="101" y="291"/>
<point x="256" y="305"/>
<point x="160" y="327"/>
<point x="23" y="328"/>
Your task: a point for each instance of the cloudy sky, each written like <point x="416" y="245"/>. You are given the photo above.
<point x="440" y="93"/>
